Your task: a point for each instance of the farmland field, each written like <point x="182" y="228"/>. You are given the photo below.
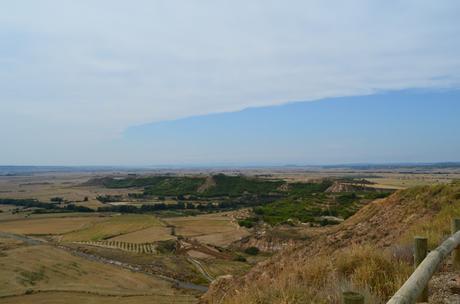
<point x="216" y="229"/>
<point x="115" y="226"/>
<point x="148" y="235"/>
<point x="52" y="226"/>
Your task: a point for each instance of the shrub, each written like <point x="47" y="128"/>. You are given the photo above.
<point x="240" y="258"/>
<point x="57" y="199"/>
<point x="252" y="250"/>
<point x="168" y="246"/>
<point x="248" y="222"/>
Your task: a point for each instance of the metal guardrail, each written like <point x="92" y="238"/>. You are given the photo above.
<point x="415" y="288"/>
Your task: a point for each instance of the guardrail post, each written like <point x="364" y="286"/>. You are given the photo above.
<point x="456" y="251"/>
<point x="420" y="252"/>
<point x="350" y="297"/>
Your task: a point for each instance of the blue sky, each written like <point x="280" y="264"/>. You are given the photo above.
<point x="400" y="126"/>
<point x="93" y="82"/>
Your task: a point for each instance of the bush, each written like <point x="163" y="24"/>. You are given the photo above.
<point x="240" y="258"/>
<point x="57" y="199"/>
<point x="252" y="250"/>
<point x="248" y="222"/>
<point x="168" y="246"/>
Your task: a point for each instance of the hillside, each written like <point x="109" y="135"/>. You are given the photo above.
<point x="216" y="185"/>
<point x="370" y="252"/>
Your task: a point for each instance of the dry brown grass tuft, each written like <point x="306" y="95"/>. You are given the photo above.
<point x="371" y="268"/>
<point x="322" y="279"/>
<point x="445" y="200"/>
<point x="315" y="281"/>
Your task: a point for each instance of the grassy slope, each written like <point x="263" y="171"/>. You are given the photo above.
<point x="58" y="275"/>
<point x="370" y="252"/>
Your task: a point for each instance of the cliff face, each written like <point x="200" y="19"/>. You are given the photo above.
<point x="382" y="224"/>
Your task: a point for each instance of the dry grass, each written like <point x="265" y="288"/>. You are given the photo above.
<point x="218" y="267"/>
<point x="444" y="200"/>
<point x="78" y="298"/>
<point x="322" y="279"/>
<point x="40" y="226"/>
<point x="215" y="229"/>
<point x="369" y="268"/>
<point x="299" y="276"/>
<point x="403" y="181"/>
<point x="47" y="185"/>
<point x="45" y="268"/>
<point x="149" y="235"/>
<point x="114" y="226"/>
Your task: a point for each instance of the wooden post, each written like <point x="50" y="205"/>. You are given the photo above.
<point x="456" y="251"/>
<point x="420" y="252"/>
<point x="350" y="297"/>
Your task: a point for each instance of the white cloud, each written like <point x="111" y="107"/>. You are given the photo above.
<point x="85" y="70"/>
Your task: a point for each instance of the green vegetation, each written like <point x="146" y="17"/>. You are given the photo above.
<point x="309" y="203"/>
<point x="231" y="186"/>
<point x="252" y="251"/>
<point x="272" y="203"/>
<point x="156" y="185"/>
<point x="239" y="185"/>
<point x="306" y="189"/>
<point x="31" y="277"/>
<point x="239" y="258"/>
<point x="248" y="222"/>
<point x="43" y="207"/>
<point x="57" y="199"/>
<point x="174" y="186"/>
<point x="109" y="198"/>
<point x="167" y="246"/>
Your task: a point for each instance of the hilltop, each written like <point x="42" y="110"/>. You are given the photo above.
<point x="370" y="251"/>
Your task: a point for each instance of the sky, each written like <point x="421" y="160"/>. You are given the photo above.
<point x="154" y="82"/>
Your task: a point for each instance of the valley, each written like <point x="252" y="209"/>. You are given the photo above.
<point x="166" y="237"/>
